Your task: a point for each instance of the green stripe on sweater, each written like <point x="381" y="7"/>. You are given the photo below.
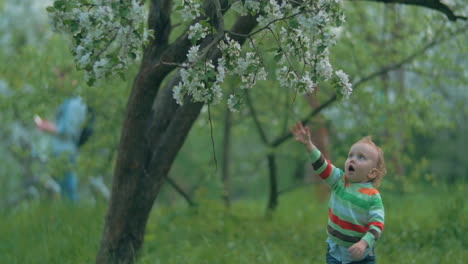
<point x="340" y="191"/>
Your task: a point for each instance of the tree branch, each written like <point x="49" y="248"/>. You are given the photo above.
<point x="180" y="191"/>
<point x="279" y="140"/>
<point x="431" y="4"/>
<point x="261" y="132"/>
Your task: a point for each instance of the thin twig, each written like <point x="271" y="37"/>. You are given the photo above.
<point x="212" y="139"/>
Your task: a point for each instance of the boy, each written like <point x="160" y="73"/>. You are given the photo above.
<point x="355" y="212"/>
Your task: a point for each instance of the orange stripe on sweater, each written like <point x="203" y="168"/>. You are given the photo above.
<point x="350" y="226"/>
<point x="325" y="173"/>
<point x="345" y="180"/>
<point x="368" y="191"/>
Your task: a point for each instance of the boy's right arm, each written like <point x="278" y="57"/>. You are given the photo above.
<point x="302" y="134"/>
<point x="324" y="168"/>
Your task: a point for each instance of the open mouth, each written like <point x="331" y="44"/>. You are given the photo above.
<point x="351" y="168"/>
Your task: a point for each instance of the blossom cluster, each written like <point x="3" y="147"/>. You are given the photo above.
<point x="289" y="78"/>
<point x="201" y="81"/>
<point x="342" y="81"/>
<point x="198" y="79"/>
<point x="302" y="31"/>
<point x="106" y="35"/>
<point x="190" y="9"/>
<point x="197" y="32"/>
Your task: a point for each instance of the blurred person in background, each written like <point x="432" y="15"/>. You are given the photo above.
<point x="66" y="131"/>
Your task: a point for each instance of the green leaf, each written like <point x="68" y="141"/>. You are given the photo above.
<point x="321" y="48"/>
<point x="293" y="23"/>
<point x="74" y="26"/>
<point x="123" y="11"/>
<point x="277" y="57"/>
<point x="204" y="23"/>
<point x="50" y="9"/>
<point x="91" y="81"/>
<point x="210" y="76"/>
<point x="59" y="4"/>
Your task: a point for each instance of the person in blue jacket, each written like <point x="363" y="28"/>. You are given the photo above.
<point x="66" y="130"/>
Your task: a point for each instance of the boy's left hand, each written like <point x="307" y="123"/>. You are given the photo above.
<point x="357" y="249"/>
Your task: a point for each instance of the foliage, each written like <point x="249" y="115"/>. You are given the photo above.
<point x="106" y="35"/>
<point x="301" y="31"/>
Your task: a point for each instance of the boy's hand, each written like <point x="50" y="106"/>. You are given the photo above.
<point x="302" y="135"/>
<point x="45" y="125"/>
<point x="357" y="249"/>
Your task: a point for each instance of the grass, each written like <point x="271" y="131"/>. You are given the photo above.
<point x="428" y="226"/>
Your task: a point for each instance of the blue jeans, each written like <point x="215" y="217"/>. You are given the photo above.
<point x="370" y="259"/>
<point x="68" y="186"/>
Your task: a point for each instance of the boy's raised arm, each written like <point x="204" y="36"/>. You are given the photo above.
<point x="302" y="134"/>
<point x="327" y="172"/>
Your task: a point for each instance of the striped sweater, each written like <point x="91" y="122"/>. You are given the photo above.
<point x="355" y="210"/>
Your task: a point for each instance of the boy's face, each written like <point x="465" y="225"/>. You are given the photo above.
<point x="360" y="166"/>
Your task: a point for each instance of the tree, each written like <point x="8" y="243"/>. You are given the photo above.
<point x="180" y="71"/>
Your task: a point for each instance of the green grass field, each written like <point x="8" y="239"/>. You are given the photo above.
<point x="427" y="226"/>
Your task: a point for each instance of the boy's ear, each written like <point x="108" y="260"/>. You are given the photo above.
<point x="373" y="173"/>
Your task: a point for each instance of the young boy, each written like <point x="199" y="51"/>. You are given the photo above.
<point x="355" y="212"/>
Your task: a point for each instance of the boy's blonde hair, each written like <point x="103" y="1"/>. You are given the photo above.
<point x="380" y="161"/>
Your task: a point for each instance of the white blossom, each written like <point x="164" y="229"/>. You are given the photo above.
<point x="221" y="73"/>
<point x="192" y="54"/>
<point x="247" y="7"/>
<point x="324" y="68"/>
<point x="286" y="77"/>
<point x="273" y="11"/>
<point x="178" y="94"/>
<point x="250" y="70"/>
<point x="100" y="67"/>
<point x="305" y="84"/>
<point x="234" y="102"/>
<point x="197" y="32"/>
<point x="101" y="31"/>
<point x="84" y="60"/>
<point x="303" y="35"/>
<point x="190" y="10"/>
<point x="343" y="82"/>
<point x="231" y="51"/>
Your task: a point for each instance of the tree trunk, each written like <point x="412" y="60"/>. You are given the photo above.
<point x="273" y="198"/>
<point x="153" y="132"/>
